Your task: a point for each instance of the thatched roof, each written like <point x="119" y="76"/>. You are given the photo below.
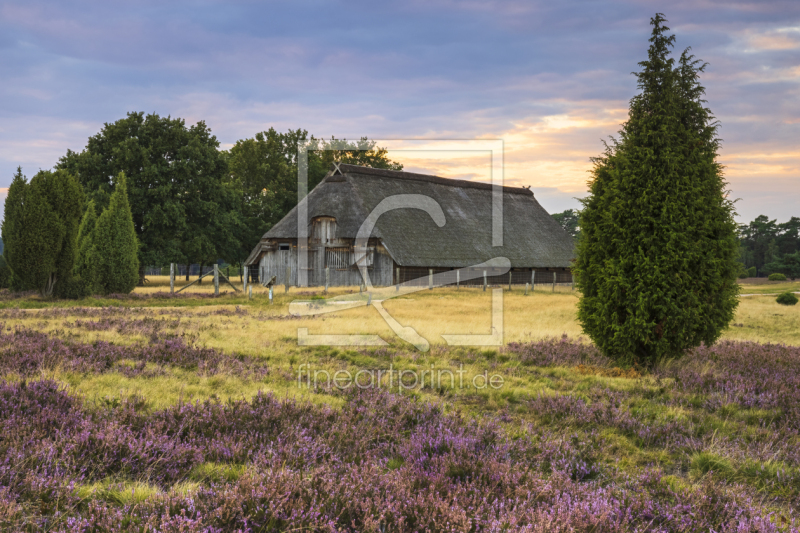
<point x="531" y="237"/>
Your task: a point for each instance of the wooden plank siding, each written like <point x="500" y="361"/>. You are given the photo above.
<point x="274" y="262"/>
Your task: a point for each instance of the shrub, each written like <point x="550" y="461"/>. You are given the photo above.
<point x="751" y="272"/>
<point x="787" y="298"/>
<point x="776" y="276"/>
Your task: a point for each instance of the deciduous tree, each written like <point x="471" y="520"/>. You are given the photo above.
<point x="182" y="209"/>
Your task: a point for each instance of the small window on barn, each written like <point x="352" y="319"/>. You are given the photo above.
<point x="284" y="247"/>
<point x="338" y="258"/>
<point x="323" y="230"/>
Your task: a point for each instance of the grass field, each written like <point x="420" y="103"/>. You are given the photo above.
<point x="717" y="431"/>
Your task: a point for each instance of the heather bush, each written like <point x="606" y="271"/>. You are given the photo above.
<point x="776" y="276"/>
<point x="380" y="463"/>
<point x="26" y="353"/>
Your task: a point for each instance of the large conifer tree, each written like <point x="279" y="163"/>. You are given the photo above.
<point x="657" y="259"/>
<point x="114" y="245"/>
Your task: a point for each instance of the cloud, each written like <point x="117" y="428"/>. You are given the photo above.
<point x="551" y="79"/>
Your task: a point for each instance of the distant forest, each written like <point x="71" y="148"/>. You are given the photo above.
<point x="771" y="247"/>
<point x="765" y="244"/>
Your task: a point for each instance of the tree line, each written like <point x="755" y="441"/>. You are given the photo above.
<point x="765" y="246"/>
<point x="188" y="201"/>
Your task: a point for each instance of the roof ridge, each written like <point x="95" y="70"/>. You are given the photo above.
<point x="450" y="182"/>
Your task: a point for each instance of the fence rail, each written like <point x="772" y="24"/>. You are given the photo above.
<point x="194" y="270"/>
<point x="414" y="276"/>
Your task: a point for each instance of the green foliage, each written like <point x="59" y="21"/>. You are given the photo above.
<point x="788" y="265"/>
<point x="751" y="272"/>
<point x="40" y="230"/>
<point x="5" y="274"/>
<point x="765" y="242"/>
<point x="569" y="220"/>
<point x="115" y="246"/>
<point x="787" y="298"/>
<point x="84" y="264"/>
<point x="183" y="209"/>
<point x="777" y="276"/>
<point x="657" y="259"/>
<point x="13" y="225"/>
<point x="742" y="271"/>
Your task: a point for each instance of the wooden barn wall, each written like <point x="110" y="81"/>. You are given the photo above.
<point x="275" y="263"/>
<point x="383" y="271"/>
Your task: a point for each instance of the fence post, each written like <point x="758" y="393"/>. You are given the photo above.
<point x="244" y="277"/>
<point x="172" y="278"/>
<point x="533" y="278"/>
<point x="554" y="281"/>
<point x="250" y="294"/>
<point x="458" y="280"/>
<point x="526" y="289"/>
<point x="270" y="295"/>
<point x="509" y="280"/>
<point x="397" y="286"/>
<point x="216" y="279"/>
<point x="327" y="278"/>
<point x="288" y="277"/>
<point x="484" y="281"/>
<point x="430" y="279"/>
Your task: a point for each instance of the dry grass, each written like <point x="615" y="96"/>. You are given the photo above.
<point x="268" y="332"/>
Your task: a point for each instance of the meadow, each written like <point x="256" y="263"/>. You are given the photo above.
<point x="152" y="412"/>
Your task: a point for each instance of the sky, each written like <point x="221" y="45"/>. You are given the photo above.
<point x="549" y="79"/>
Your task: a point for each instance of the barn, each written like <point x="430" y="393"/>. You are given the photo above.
<point x="406" y="243"/>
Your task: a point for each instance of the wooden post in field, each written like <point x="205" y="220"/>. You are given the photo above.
<point x="509" y="280"/>
<point x="288" y="277"/>
<point x="250" y="294"/>
<point x="526" y="289"/>
<point x="216" y="279"/>
<point x="554" y="281"/>
<point x="397" y="286"/>
<point x="430" y="279"/>
<point x="270" y="295"/>
<point x="484" y="281"/>
<point x="244" y="278"/>
<point x="533" y="278"/>
<point x="327" y="278"/>
<point x="458" y="280"/>
<point x="172" y="278"/>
